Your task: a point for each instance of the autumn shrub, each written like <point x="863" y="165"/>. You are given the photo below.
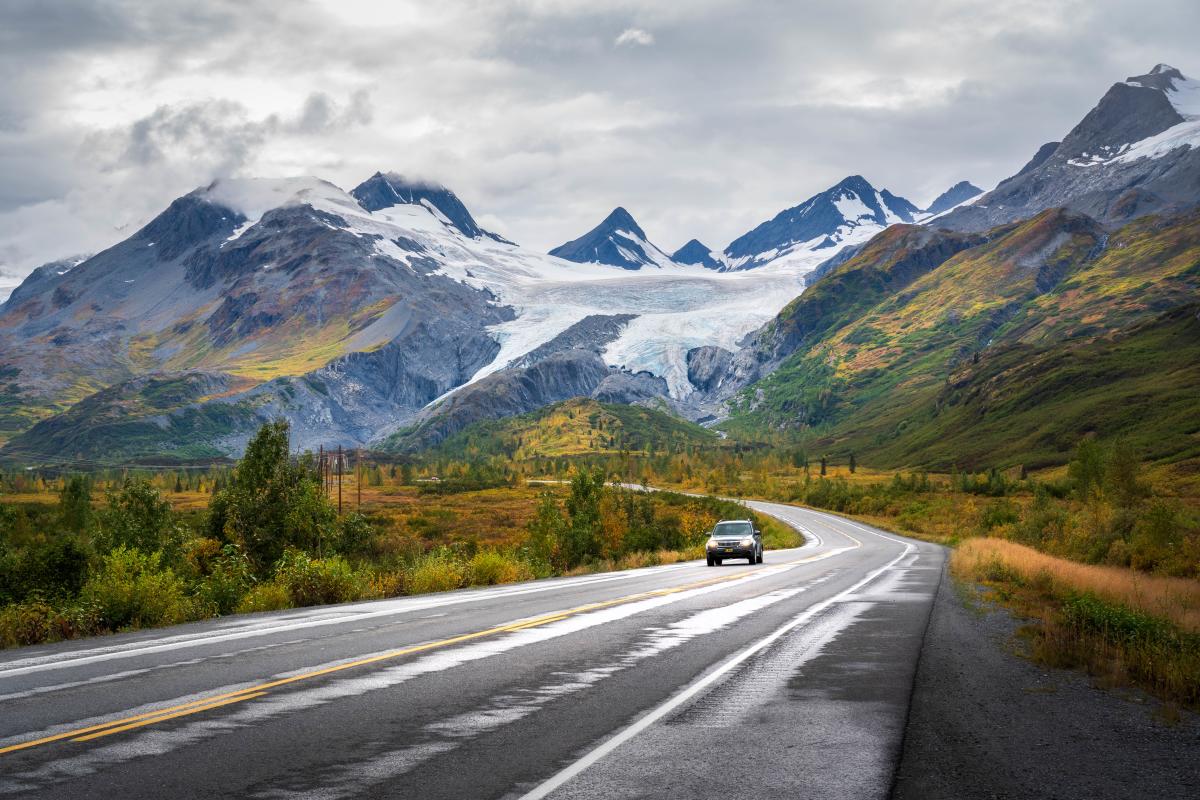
<point x="318" y="581"/>
<point x="490" y="567"/>
<point x="36" y="622"/>
<point x="438" y="571"/>
<point x="230" y="576"/>
<point x="268" y="596"/>
<point x="132" y="589"/>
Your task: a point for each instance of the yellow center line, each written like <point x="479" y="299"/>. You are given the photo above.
<point x="133" y="725"/>
<point x="204" y="704"/>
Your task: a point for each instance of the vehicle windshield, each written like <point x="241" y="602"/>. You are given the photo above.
<point x="733" y="529"/>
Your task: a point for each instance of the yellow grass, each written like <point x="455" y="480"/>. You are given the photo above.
<point x="1173" y="599"/>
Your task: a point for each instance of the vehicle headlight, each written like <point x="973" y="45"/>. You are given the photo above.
<point x="748" y="541"/>
<point x="712" y="543"/>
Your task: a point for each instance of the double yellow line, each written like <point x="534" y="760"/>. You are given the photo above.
<point x="123" y="724"/>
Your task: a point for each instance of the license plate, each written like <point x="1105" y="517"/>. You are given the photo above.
<point x="728" y="550"/>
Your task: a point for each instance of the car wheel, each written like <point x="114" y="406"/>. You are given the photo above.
<point x="753" y="559"/>
<point x="760" y="556"/>
<point x="710" y="561"/>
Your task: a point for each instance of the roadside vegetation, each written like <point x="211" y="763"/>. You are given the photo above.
<point x="89" y="554"/>
<point x="1123" y="626"/>
<point x="1102" y="553"/>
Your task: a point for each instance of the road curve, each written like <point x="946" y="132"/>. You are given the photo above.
<point x="789" y="678"/>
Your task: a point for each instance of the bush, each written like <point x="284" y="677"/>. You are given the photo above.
<point x="999" y="513"/>
<point x="354" y="534"/>
<point x="36" y="622"/>
<point x="54" y="569"/>
<point x="436" y="572"/>
<point x="136" y="517"/>
<point x="488" y="568"/>
<point x="265" y="597"/>
<point x="318" y="581"/>
<point x="231" y="575"/>
<point x="132" y="589"/>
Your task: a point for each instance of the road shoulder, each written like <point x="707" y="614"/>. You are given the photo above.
<point x="986" y="723"/>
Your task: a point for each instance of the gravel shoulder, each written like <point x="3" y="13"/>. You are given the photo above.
<point x="986" y="723"/>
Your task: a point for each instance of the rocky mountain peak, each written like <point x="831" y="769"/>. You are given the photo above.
<point x="620" y="219"/>
<point x="956" y="194"/>
<point x="1162" y="77"/>
<point x="695" y="252"/>
<point x="849" y="209"/>
<point x="617" y="241"/>
<point x="385" y="190"/>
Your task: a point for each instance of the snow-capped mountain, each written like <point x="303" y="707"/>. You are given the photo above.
<point x="956" y="195"/>
<point x="618" y="241"/>
<point x="249" y="299"/>
<point x="852" y="211"/>
<point x="694" y="252"/>
<point x="384" y="191"/>
<point x="1136" y="152"/>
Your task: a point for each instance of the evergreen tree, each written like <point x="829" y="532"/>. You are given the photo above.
<point x="75" y="503"/>
<point x="272" y="503"/>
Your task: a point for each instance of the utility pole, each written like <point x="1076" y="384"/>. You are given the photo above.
<point x="358" y="475"/>
<point x="321" y="467"/>
<point x="341" y="468"/>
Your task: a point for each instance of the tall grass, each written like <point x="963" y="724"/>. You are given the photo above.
<point x="1123" y="626"/>
<point x="1176" y="600"/>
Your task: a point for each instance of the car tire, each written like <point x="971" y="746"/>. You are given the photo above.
<point x="710" y="561"/>
<point x="753" y="559"/>
<point x="760" y="556"/>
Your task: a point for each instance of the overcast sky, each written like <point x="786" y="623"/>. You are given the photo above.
<point x="703" y="117"/>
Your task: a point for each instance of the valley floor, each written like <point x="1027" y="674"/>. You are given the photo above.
<point x="987" y="723"/>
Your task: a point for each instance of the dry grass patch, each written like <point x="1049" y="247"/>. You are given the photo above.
<point x="1125" y="628"/>
<point x="1176" y="600"/>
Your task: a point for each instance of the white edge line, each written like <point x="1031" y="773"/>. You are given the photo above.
<point x="623" y="736"/>
<point x="336" y="616"/>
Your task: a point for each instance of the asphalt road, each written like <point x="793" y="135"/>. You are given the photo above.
<point x="790" y="678"/>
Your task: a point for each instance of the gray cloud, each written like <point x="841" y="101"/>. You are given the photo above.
<point x="544" y="114"/>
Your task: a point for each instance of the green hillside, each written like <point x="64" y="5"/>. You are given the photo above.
<point x="576" y="427"/>
<point x="1006" y="352"/>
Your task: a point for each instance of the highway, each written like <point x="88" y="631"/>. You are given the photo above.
<point x="790" y="678"/>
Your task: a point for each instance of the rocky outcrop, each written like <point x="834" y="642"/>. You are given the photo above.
<point x="707" y="367"/>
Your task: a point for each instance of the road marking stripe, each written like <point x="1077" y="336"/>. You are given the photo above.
<point x="566" y="774"/>
<point x="215" y="701"/>
<point x="297" y="620"/>
<point x="133" y="725"/>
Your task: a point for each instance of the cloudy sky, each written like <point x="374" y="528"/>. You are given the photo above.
<point x="702" y="117"/>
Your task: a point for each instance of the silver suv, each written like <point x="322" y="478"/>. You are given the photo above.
<point x="734" y="538"/>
